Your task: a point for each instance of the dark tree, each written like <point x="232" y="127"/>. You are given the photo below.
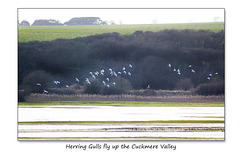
<point x="148" y="52"/>
<point x="24" y="23"/>
<point x="40" y="22"/>
<point x="85" y="21"/>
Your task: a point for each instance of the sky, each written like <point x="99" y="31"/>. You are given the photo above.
<point x="125" y="16"/>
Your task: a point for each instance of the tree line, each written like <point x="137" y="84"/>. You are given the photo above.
<point x="73" y="21"/>
<point x="150" y="53"/>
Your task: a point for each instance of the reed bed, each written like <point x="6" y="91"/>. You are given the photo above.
<point x="125" y="97"/>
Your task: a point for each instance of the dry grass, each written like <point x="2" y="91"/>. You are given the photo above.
<point x="158" y="98"/>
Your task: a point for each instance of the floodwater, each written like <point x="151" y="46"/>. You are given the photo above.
<point x="121" y="113"/>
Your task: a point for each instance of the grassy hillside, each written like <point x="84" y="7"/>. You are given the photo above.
<point x="48" y="33"/>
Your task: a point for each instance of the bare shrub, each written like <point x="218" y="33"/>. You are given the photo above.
<point x="174" y="93"/>
<point x="62" y="91"/>
<point x="122" y="86"/>
<point x="212" y="88"/>
<point x="93" y="88"/>
<point x="30" y="82"/>
<point x="75" y="86"/>
<point x="145" y="92"/>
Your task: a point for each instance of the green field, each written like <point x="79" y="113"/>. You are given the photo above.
<point x="48" y="33"/>
<point x="123" y="103"/>
<point x="121" y="122"/>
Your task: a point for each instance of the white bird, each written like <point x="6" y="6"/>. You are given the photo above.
<point x="111" y="73"/>
<point x="130" y="65"/>
<point x="169" y="65"/>
<point x="210" y="74"/>
<point x="174" y="69"/>
<point x="102" y="72"/>
<point x="108" y="86"/>
<point x="115" y="74"/>
<point x="129" y="74"/>
<point x="208" y="78"/>
<point x="94" y="76"/>
<point x="38" y="84"/>
<point x="107" y="79"/>
<point x="88" y="81"/>
<point x="119" y="73"/>
<point x="193" y="70"/>
<point x="90" y="73"/>
<point x="148" y="87"/>
<point x="96" y="73"/>
<point x="67" y="86"/>
<point x="104" y="83"/>
<point x="216" y="73"/>
<point x="124" y="72"/>
<point x="56" y="82"/>
<point x="45" y="91"/>
<point x="123" y="68"/>
<point x="110" y="69"/>
<point x="190" y="66"/>
<point x="114" y="83"/>
<point x="178" y="71"/>
<point x="77" y="79"/>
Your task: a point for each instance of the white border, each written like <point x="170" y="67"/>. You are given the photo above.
<point x="8" y="50"/>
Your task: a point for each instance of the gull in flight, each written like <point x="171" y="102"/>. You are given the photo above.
<point x="56" y="82"/>
<point x="104" y="83"/>
<point x="88" y="81"/>
<point x="148" y="87"/>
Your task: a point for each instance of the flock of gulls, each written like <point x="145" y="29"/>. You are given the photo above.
<point x="108" y="82"/>
<point x="192" y="71"/>
<point x="111" y="74"/>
